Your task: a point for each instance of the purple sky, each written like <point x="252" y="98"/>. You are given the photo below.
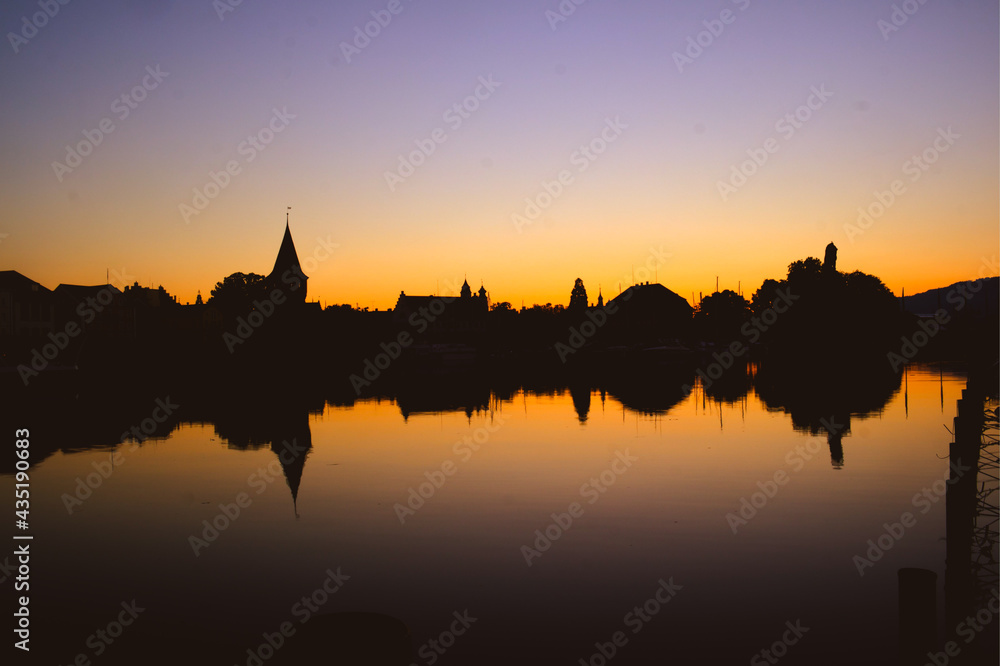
<point x="656" y="184"/>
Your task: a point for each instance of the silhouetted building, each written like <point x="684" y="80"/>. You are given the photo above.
<point x="443" y="314"/>
<point x="578" y="296"/>
<point x="646" y="312"/>
<point x="97" y="308"/>
<point x="830" y="260"/>
<point x="287" y="273"/>
<point x="154" y="298"/>
<point x="26" y="307"/>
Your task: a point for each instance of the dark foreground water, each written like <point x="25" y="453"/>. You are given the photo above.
<point x="442" y="515"/>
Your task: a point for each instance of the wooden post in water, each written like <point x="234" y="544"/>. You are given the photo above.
<point x="960" y="509"/>
<point x="917" y="615"/>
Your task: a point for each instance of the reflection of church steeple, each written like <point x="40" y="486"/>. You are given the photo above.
<point x="277" y="419"/>
<point x="292" y="452"/>
<point x="581" y="400"/>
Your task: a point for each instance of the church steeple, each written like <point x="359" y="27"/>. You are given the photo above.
<point x="287" y="271"/>
<point x="466" y="290"/>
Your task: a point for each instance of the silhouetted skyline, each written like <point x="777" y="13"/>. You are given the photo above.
<point x="404" y="332"/>
<point x="335" y="128"/>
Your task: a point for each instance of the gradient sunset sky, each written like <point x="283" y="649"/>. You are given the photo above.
<point x="656" y="185"/>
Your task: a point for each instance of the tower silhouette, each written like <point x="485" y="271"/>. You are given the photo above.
<point x="287" y="273"/>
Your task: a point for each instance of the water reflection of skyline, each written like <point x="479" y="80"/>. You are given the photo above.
<point x="698" y="457"/>
<point x="255" y="420"/>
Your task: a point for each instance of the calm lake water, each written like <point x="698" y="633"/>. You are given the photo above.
<point x="660" y="516"/>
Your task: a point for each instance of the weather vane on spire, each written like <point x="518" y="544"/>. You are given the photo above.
<point x="286" y="214"/>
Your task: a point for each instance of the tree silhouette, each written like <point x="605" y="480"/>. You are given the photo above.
<point x="827" y="315"/>
<point x="764" y="297"/>
<point x="237" y="292"/>
<point x="720" y="315"/>
<point x="578" y="297"/>
<point x="809" y="270"/>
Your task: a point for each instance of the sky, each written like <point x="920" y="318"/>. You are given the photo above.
<point x="518" y="144"/>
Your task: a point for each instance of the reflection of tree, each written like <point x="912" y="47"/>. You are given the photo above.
<point x="731" y="386"/>
<point x="825" y="401"/>
<point x="649" y="392"/>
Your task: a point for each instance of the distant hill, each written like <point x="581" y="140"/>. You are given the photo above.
<point x="983" y="303"/>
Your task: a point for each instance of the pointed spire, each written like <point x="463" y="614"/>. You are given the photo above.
<point x="292" y="458"/>
<point x="287" y="256"/>
<point x="287" y="273"/>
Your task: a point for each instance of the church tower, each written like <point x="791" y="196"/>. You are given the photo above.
<point x="830" y="260"/>
<point x="484" y="298"/>
<point x="287" y="273"/>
